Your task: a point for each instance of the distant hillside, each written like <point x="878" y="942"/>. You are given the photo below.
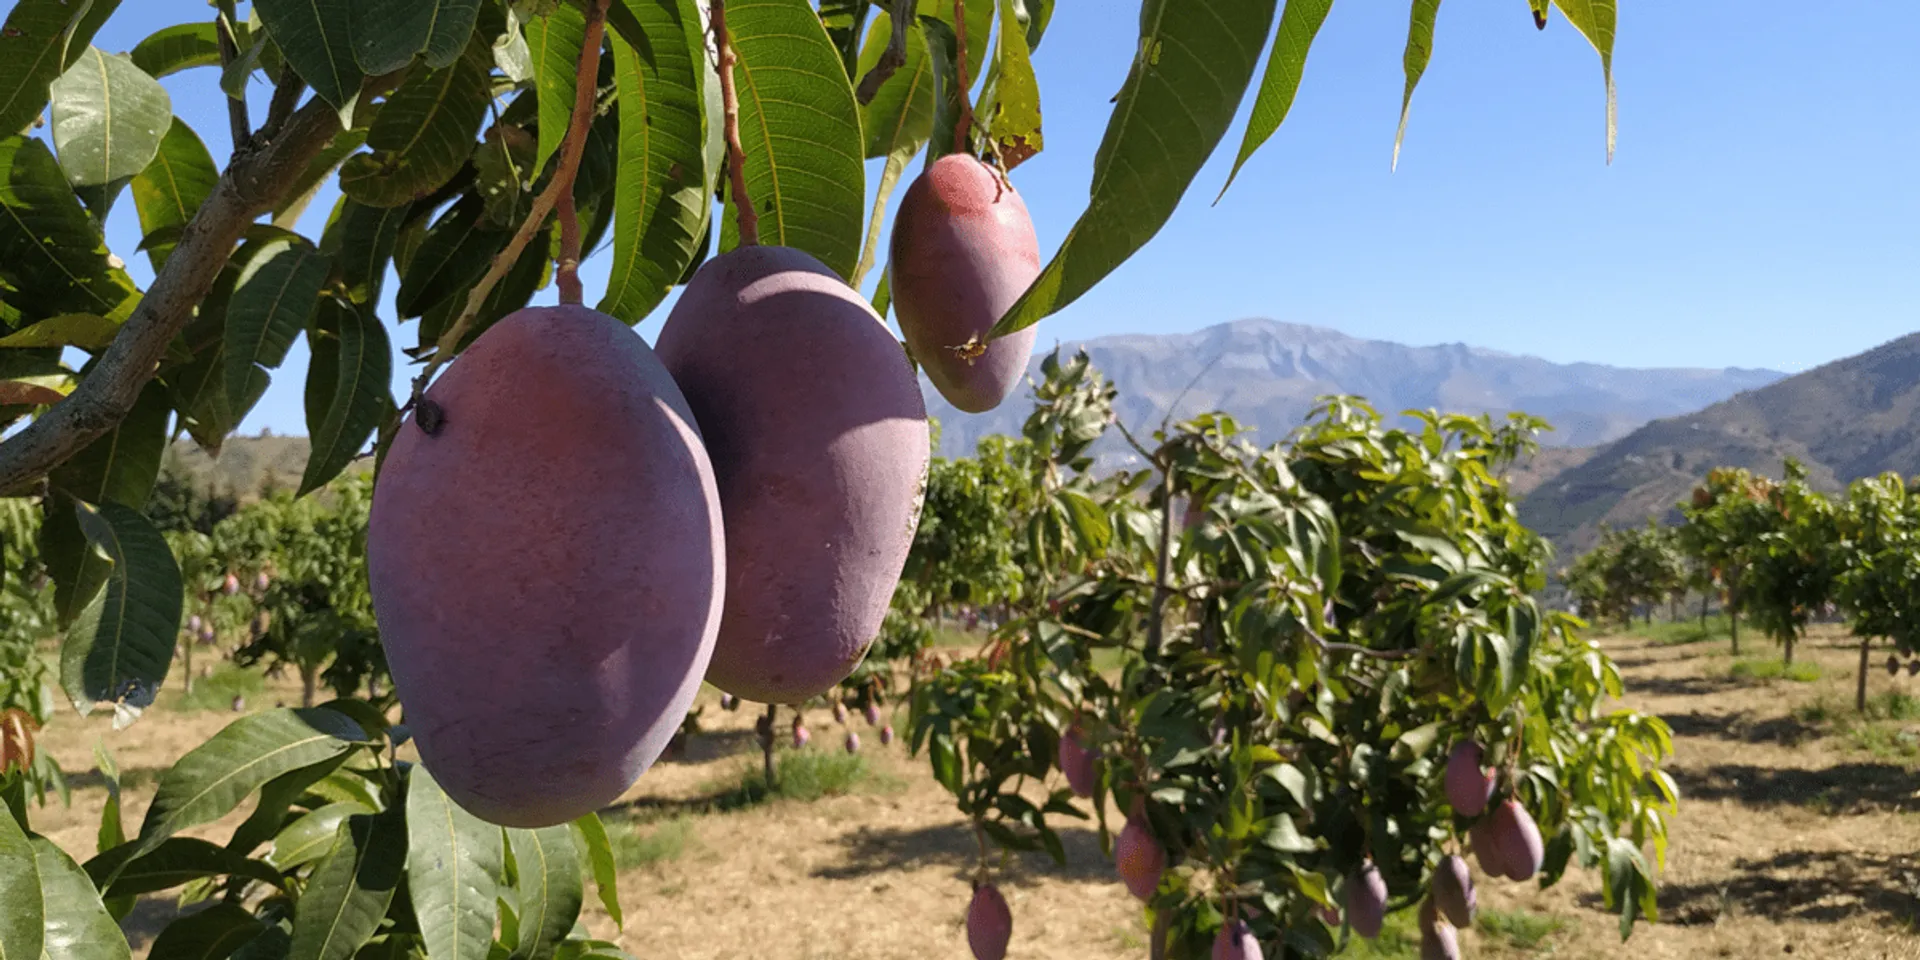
<point x="1851" y="418"/>
<point x="1268" y="374"/>
<point x="246" y="465"/>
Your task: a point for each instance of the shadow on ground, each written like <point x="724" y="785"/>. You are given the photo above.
<point x="1681" y="686"/>
<point x="870" y="851"/>
<point x="1741" y="727"/>
<point x="1846" y="788"/>
<point x="1822" y="887"/>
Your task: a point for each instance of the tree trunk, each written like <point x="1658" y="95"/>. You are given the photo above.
<point x="766" y="748"/>
<point x="1650" y="607"/>
<point x="1733" y="621"/>
<point x="1789" y="657"/>
<point x="1860" y="689"/>
<point x="188" y="652"/>
<point x="1704" y="598"/>
<point x="309" y="682"/>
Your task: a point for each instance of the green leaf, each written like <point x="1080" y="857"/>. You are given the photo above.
<point x="1597" y="20"/>
<point x="503" y="172"/>
<point x="78" y="926"/>
<point x="842" y="18"/>
<point x="1414" y="61"/>
<point x="1299" y="23"/>
<point x="592" y="835"/>
<point x="360" y="242"/>
<point x="351" y="888"/>
<point x="108" y="119"/>
<point x="306" y="186"/>
<point x="272" y="299"/>
<point x="1279" y="834"/>
<point x="897" y="123"/>
<point x="453" y="862"/>
<point x="83" y="330"/>
<point x="800" y="134"/>
<point x="452" y="258"/>
<point x="172" y="187"/>
<point x="174" y="862"/>
<point x="307" y="838"/>
<point x="77" y="570"/>
<point x="51" y="250"/>
<point x="183" y="46"/>
<point x="351" y="349"/>
<point x="550" y="891"/>
<point x="121" y="645"/>
<point x="1014" y="119"/>
<point x="663" y="197"/>
<point x="1186" y="82"/>
<point x="40" y="39"/>
<point x="316" y="38"/>
<point x="277" y="798"/>
<point x="555" y="41"/>
<point x="21" y="923"/>
<point x="386" y="35"/>
<point x="121" y="466"/>
<point x="210" y="934"/>
<point x="423" y="136"/>
<point x="212" y="779"/>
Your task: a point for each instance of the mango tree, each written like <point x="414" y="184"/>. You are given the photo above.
<point x="1879" y="581"/>
<point x="1793" y="558"/>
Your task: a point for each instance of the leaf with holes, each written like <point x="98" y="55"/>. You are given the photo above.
<point x="1189" y="74"/>
<point x="550" y="889"/>
<point x="1299" y="24"/>
<point x="350" y="888"/>
<point x="40" y="39"/>
<point x="316" y="38"/>
<point x="108" y="119"/>
<point x="1014" y="116"/>
<point x="120" y="647"/>
<point x="184" y="46"/>
<point x="453" y="862"/>
<point x="663" y="197"/>
<point x="800" y="134"/>
<point x="51" y="250"/>
<point x="172" y="187"/>
<point x="423" y="136"/>
<point x="272" y="299"/>
<point x="353" y="363"/>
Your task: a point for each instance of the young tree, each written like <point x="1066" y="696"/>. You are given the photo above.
<point x="1723" y="522"/>
<point x="1793" y="562"/>
<point x="1879" y="554"/>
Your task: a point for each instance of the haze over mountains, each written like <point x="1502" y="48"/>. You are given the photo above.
<point x="1268" y="374"/>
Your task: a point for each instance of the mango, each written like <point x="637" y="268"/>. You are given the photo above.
<point x="989" y="923"/>
<point x="1453" y="891"/>
<point x="819" y="441"/>
<point x="1468" y="784"/>
<point x="1235" y="942"/>
<point x="853" y="742"/>
<point x="1438" y="939"/>
<point x="1518" y="838"/>
<point x="1367" y="900"/>
<point x="1139" y="858"/>
<point x="963" y="250"/>
<point x="545" y="556"/>
<point x="1076" y="761"/>
<point x="1493" y="859"/>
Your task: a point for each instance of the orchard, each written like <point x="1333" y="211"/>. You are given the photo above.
<point x="1296" y="687"/>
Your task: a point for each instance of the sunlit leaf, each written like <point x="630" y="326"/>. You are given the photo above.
<point x="350" y="888"/>
<point x="120" y="647"/>
<point x="275" y="294"/>
<point x="182" y="46"/>
<point x="1419" y="51"/>
<point x="554" y="42"/>
<point x="173" y="186"/>
<point x="424" y="134"/>
<point x="359" y="362"/>
<point x="1300" y="22"/>
<point x="453" y="860"/>
<point x="316" y="38"/>
<point x="108" y="119"/>
<point x="37" y="43"/>
<point x="1596" y="20"/>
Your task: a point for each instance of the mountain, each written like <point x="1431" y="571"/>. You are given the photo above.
<point x="1851" y="418"/>
<point x="1267" y="374"/>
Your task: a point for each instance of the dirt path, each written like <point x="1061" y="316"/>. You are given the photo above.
<point x="1797" y="836"/>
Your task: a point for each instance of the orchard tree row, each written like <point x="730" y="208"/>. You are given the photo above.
<point x="1778" y="552"/>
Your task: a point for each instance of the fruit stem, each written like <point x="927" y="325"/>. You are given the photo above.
<point x="965" y="124"/>
<point x="568" y="273"/>
<point x="749" y="218"/>
<point x="571" y="150"/>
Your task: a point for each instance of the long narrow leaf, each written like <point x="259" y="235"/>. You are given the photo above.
<point x="1300" y="22"/>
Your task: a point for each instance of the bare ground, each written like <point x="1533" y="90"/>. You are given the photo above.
<point x="1797" y="836"/>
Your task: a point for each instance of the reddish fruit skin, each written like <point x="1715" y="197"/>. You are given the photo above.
<point x="886" y="735"/>
<point x="546" y="568"/>
<point x="1367" y="900"/>
<point x="232" y="585"/>
<point x="800" y="737"/>
<point x="819" y="441"/>
<point x="853" y="742"/>
<point x="840" y="713"/>
<point x="1438" y="941"/>
<point x="1076" y="761"/>
<point x="1139" y="858"/>
<point x="873" y="714"/>
<point x="193" y="624"/>
<point x="1518" y="838"/>
<point x="963" y="250"/>
<point x="1469" y="785"/>
<point x="989" y="923"/>
<point x="1453" y="891"/>
<point x="1493" y="859"/>
<point x="1235" y="942"/>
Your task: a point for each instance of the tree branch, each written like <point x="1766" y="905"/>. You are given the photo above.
<point x="261" y="171"/>
<point x="892" y="58"/>
<point x="748" y="217"/>
<point x="238" y="124"/>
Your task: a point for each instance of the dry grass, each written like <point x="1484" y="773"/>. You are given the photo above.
<point x="1797" y="836"/>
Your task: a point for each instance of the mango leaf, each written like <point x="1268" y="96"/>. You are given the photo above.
<point x="212" y="779"/>
<point x="897" y="123"/>
<point x="316" y="38"/>
<point x="172" y="187"/>
<point x="306" y="839"/>
<point x="272" y="299"/>
<point x="800" y="134"/>
<point x="1299" y="23"/>
<point x="108" y="118"/>
<point x="1414" y="61"/>
<point x="592" y="837"/>
<point x="83" y="330"/>
<point x="210" y="934"/>
<point x="51" y="250"/>
<point x="1013" y="119"/>
<point x="386" y="35"/>
<point x="183" y="46"/>
<point x="121" y="466"/>
<point x="843" y="19"/>
<point x="979" y="29"/>
<point x="1189" y="74"/>
<point x="452" y="258"/>
<point x="503" y="173"/>
<point x="77" y="570"/>
<point x="1035" y="15"/>
<point x="661" y="201"/>
<point x="40" y="39"/>
<point x="1539" y="9"/>
<point x="352" y="352"/>
<point x="351" y="888"/>
<point x="78" y="926"/>
<point x="121" y="645"/>
<point x="1597" y="20"/>
<point x="29" y="393"/>
<point x="360" y="241"/>
<point x="554" y="42"/>
<point x="278" y="796"/>
<point x="550" y="891"/>
<point x="174" y="862"/>
<point x="453" y="862"/>
<point x="22" y="922"/>
<point x="422" y="137"/>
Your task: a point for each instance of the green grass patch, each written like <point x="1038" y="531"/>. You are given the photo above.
<point x="1801" y="672"/>
<point x="1893" y="705"/>
<point x="216" y="692"/>
<point x="637" y="845"/>
<point x="1674" y="633"/>
<point x="1523" y="929"/>
<point x="948" y="635"/>
<point x="803" y="775"/>
<point x="1399" y="939"/>
<point x="1885" y="741"/>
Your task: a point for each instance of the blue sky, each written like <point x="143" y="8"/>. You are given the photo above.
<point x="1760" y="210"/>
